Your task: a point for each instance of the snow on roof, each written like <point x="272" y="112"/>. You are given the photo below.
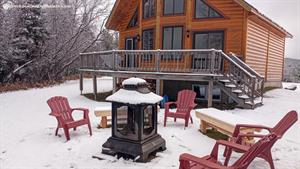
<point x="134" y="97"/>
<point x="133" y="81"/>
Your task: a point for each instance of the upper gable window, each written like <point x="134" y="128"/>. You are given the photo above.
<point x="172" y="7"/>
<point x="148" y="8"/>
<point x="203" y="10"/>
<point x="134" y="20"/>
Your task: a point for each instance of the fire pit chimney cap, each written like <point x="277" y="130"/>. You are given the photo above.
<point x="134" y="91"/>
<point x="134" y="81"/>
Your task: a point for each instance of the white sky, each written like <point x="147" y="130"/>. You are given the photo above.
<point x="287" y="14"/>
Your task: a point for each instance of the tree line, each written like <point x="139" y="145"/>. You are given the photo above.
<point x="41" y="39"/>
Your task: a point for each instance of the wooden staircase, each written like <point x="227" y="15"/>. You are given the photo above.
<point x="243" y="84"/>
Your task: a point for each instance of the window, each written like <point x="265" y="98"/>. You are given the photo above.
<point x="148" y="43"/>
<point x="173" y="7"/>
<point x="203" y="10"/>
<point x="200" y="90"/>
<point x="216" y="94"/>
<point x="172" y="39"/>
<point x="209" y="40"/>
<point x="148" y="8"/>
<point x="134" y="20"/>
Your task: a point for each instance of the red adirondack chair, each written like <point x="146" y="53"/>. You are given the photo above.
<point x="282" y="126"/>
<point x="188" y="161"/>
<point x="61" y="109"/>
<point x="184" y="104"/>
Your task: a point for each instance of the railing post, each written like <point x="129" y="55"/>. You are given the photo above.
<point x="212" y="62"/>
<point x="80" y="83"/>
<point x="114" y="60"/>
<point x="158" y="60"/>
<point x="252" y="90"/>
<point x="81" y="61"/>
<point x="94" y="61"/>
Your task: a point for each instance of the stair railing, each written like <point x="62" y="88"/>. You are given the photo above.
<point x="250" y="83"/>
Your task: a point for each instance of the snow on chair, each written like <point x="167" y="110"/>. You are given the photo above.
<point x="282" y="126"/>
<point x="184" y="104"/>
<point x="188" y="161"/>
<point x="61" y="109"/>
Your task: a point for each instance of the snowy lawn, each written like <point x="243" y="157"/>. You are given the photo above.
<point x="27" y="132"/>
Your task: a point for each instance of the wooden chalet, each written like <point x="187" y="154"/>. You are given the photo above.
<point x="225" y="50"/>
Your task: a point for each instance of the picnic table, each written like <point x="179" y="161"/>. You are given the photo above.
<point x="223" y="122"/>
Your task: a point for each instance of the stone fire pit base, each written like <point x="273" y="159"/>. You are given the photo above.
<point x="138" y="151"/>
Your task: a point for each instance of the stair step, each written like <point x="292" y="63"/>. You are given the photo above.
<point x="244" y="96"/>
<point x="238" y="91"/>
<point x="230" y="85"/>
<point x="225" y="81"/>
<point x="256" y="101"/>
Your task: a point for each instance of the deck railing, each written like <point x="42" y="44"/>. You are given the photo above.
<point x="205" y="61"/>
<point x="177" y="61"/>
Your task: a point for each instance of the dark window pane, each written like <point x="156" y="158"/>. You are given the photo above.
<point x="201" y="41"/>
<point x="178" y="6"/>
<point x="167" y="41"/>
<point x="149" y="8"/>
<point x="216" y="40"/>
<point x="129" y="44"/>
<point x="216" y="94"/>
<point x="134" y="20"/>
<point x="205" y="11"/>
<point x="177" y="38"/>
<point x="168" y="7"/>
<point x="200" y="90"/>
<point x="201" y="9"/>
<point x="148" y="39"/>
<point x="214" y="14"/>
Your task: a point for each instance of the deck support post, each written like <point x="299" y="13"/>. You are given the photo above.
<point x="210" y="93"/>
<point x="95" y="86"/>
<point x="157" y="87"/>
<point x="81" y="83"/>
<point x="115" y="81"/>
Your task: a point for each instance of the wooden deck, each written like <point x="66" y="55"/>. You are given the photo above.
<point x="181" y="65"/>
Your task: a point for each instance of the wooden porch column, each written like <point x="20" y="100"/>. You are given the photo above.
<point x="157" y="87"/>
<point x="80" y="83"/>
<point x="115" y="80"/>
<point x="210" y="93"/>
<point x="95" y="86"/>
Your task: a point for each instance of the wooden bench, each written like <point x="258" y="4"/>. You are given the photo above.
<point x="223" y="122"/>
<point x="105" y="112"/>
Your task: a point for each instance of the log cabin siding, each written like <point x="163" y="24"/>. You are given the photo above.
<point x="257" y="47"/>
<point x="265" y="51"/>
<point x="275" y="58"/>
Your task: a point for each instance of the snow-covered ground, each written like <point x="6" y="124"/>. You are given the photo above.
<point x="27" y="132"/>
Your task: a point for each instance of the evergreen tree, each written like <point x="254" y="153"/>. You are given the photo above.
<point x="29" y="38"/>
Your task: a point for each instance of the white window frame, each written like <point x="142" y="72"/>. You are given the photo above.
<point x="206" y="88"/>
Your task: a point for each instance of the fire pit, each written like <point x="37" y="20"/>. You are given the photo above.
<point x="134" y="122"/>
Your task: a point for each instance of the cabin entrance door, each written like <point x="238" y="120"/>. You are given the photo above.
<point x="131" y="44"/>
<point x="206" y="40"/>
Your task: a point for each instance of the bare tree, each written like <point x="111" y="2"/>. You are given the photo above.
<point x="75" y="26"/>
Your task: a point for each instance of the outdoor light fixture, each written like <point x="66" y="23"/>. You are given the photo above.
<point x="188" y="33"/>
<point x="138" y="37"/>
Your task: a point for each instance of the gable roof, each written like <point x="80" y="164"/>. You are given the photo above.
<point x="118" y="10"/>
